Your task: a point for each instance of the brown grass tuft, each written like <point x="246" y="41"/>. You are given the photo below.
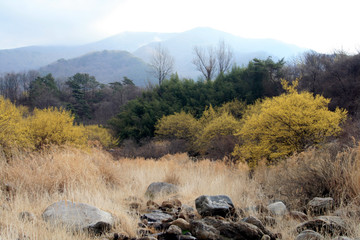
<point x="321" y="172"/>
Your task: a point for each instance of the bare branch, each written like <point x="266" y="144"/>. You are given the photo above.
<point x="162" y="63"/>
<point x="224" y="55"/>
<point x="205" y="61"/>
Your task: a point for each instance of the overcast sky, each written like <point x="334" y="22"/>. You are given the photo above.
<point x="322" y="25"/>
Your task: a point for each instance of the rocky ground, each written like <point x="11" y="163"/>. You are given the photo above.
<point x="214" y="217"/>
<point x="71" y="194"/>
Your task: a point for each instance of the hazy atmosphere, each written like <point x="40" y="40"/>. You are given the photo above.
<point x="323" y="26"/>
<point x="179" y="120"/>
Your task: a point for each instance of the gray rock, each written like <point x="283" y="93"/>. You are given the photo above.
<point x="187" y="212"/>
<point x="157" y="216"/>
<point x="181" y="223"/>
<point x="255" y="221"/>
<point x="320" y="206"/>
<point x="277" y="208"/>
<point x="78" y="216"/>
<point x="174" y="230"/>
<point x="203" y="231"/>
<point x="300" y="216"/>
<point x="325" y="225"/>
<point x="219" y="205"/>
<point x="160" y="188"/>
<point x="234" y="230"/>
<point x="309" y="235"/>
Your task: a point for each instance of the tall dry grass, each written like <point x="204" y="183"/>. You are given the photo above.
<point x="325" y="172"/>
<point x="95" y="178"/>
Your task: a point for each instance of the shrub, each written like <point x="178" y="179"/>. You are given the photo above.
<point x="279" y="126"/>
<point x="236" y="108"/>
<point x="13" y="130"/>
<point x="100" y="134"/>
<point x="179" y="125"/>
<point x="55" y="126"/>
<point x="217" y="130"/>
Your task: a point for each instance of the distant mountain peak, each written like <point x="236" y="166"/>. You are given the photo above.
<point x="141" y="44"/>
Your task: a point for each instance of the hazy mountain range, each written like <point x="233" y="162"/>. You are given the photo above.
<point x="128" y="53"/>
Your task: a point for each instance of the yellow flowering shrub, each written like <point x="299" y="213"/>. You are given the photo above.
<point x="14" y="133"/>
<point x="279" y="126"/>
<point x="55" y="126"/>
<point x="101" y="135"/>
<point x="179" y="125"/>
<point x="222" y="125"/>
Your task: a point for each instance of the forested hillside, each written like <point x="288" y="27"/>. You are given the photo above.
<point x="137" y="115"/>
<point x="105" y="66"/>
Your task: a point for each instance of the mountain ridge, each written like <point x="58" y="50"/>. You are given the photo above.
<point x="106" y="66"/>
<point x="141" y="45"/>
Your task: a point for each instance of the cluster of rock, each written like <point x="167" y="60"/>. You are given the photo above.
<point x="215" y="217"/>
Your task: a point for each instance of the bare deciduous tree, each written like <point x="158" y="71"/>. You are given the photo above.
<point x="224" y="55"/>
<point x="162" y="63"/>
<point x="211" y="60"/>
<point x="10" y="86"/>
<point x="205" y="61"/>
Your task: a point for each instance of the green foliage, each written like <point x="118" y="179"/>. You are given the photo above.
<point x="43" y="92"/>
<point x="55" y="126"/>
<point x="277" y="127"/>
<point x="101" y="135"/>
<point x="84" y="91"/>
<point x="137" y="119"/>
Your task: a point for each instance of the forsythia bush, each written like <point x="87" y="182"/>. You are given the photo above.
<point x="101" y="135"/>
<point x="279" y="126"/>
<point x="180" y="125"/>
<point x="20" y="128"/>
<point x="14" y="131"/>
<point x="55" y="126"/>
<point x="200" y="134"/>
<point x="219" y="126"/>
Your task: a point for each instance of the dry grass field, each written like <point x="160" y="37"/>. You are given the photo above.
<point x="32" y="181"/>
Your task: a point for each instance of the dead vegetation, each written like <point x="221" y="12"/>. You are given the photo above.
<point x="32" y="181"/>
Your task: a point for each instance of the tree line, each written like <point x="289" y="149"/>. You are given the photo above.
<point x="90" y="101"/>
<point x="132" y="112"/>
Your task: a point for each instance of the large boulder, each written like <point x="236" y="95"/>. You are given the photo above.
<point x="319" y="206"/>
<point x="277" y="208"/>
<point x="234" y="230"/>
<point x="78" y="216"/>
<point x="203" y="231"/>
<point x="160" y="188"/>
<point x="324" y="224"/>
<point x="219" y="205"/>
